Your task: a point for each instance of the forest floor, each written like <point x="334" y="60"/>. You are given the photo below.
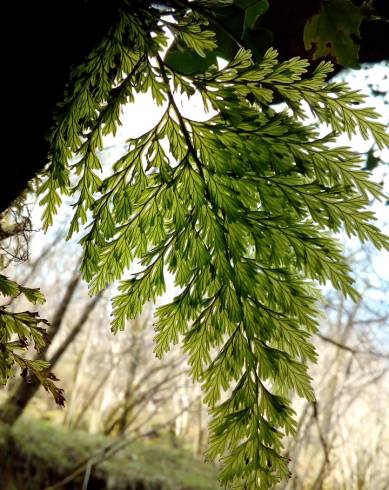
<point x="35" y="455"/>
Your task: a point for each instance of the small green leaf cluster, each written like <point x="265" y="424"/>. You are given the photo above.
<point x="17" y="331"/>
<point x="241" y="209"/>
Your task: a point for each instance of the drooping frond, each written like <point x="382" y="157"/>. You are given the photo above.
<point x="240" y="208"/>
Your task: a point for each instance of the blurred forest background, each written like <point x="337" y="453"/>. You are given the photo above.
<point x="132" y="421"/>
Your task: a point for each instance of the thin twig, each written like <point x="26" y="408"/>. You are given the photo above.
<point x="352" y="349"/>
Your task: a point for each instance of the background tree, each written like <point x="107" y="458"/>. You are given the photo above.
<point x="21" y="329"/>
<point x="23" y="392"/>
<point x="349" y="383"/>
<point x="357" y="438"/>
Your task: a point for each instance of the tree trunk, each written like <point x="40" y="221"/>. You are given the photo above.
<point x="56" y="35"/>
<point x="14" y="406"/>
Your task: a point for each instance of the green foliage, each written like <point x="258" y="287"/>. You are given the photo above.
<point x="234" y="23"/>
<point x="17" y="331"/>
<point x="240" y="209"/>
<point x="334" y="32"/>
<point x="253" y="10"/>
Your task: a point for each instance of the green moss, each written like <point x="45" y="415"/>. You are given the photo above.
<point x="49" y="452"/>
